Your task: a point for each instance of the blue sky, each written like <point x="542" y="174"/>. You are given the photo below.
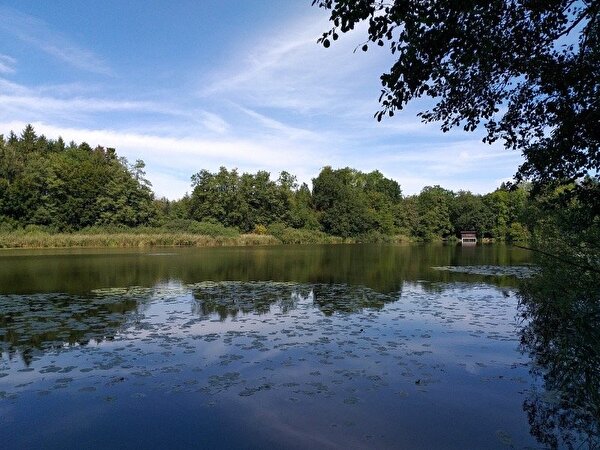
<point x="191" y="85"/>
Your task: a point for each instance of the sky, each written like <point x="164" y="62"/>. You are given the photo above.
<point x="189" y="85"/>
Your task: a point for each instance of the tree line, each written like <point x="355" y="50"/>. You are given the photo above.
<point x="349" y="203"/>
<point x="69" y="187"/>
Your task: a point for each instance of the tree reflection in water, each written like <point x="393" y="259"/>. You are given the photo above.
<point x="230" y="298"/>
<point x="35" y="323"/>
<point x="561" y="310"/>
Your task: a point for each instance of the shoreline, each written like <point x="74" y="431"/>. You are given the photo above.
<point x="148" y="237"/>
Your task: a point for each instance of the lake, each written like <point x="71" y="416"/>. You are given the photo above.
<point x="339" y="346"/>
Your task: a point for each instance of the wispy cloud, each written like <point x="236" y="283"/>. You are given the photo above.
<point x="214" y="122"/>
<point x="276" y="125"/>
<point x="10" y="87"/>
<point x="73" y="103"/>
<point x="289" y="70"/>
<point x="7" y="64"/>
<point x="40" y="35"/>
<point x="188" y="155"/>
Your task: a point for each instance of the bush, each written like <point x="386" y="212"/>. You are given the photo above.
<point x="107" y="229"/>
<point x="375" y="237"/>
<point x="183" y="225"/>
<point x="214" y="229"/>
<point x="277" y="229"/>
<point x="301" y="235"/>
<point x="518" y="233"/>
<point x="209" y="228"/>
<point x="8" y="224"/>
<point x="260" y="229"/>
<point x="36" y="229"/>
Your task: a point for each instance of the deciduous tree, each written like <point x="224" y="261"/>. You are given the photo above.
<point x="527" y="70"/>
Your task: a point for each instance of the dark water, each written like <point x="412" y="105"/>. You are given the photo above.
<point x="276" y="347"/>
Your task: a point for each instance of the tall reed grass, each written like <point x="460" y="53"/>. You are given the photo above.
<point x="180" y="234"/>
<point x="40" y="239"/>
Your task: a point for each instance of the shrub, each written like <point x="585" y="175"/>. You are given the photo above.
<point x="207" y="227"/>
<point x="260" y="229"/>
<point x="8" y="224"/>
<point x="301" y="235"/>
<point x="518" y="233"/>
<point x="183" y="225"/>
<point x="375" y="237"/>
<point x="214" y="229"/>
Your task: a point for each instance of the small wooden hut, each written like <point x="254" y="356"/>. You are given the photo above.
<point x="468" y="237"/>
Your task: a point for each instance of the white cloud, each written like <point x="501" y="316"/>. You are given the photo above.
<point x="38" y="34"/>
<point x="167" y="185"/>
<point x="14" y="88"/>
<point x="289" y="70"/>
<point x="287" y="130"/>
<point x="7" y="64"/>
<point x="213" y="122"/>
<point x="31" y="103"/>
<point x="73" y="103"/>
<point x="165" y="156"/>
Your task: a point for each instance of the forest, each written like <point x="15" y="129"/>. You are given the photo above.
<point x="48" y="185"/>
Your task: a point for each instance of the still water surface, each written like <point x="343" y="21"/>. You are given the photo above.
<point x="349" y="346"/>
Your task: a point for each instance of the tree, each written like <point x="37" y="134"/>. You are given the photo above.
<point x="497" y="202"/>
<point x="302" y="211"/>
<point x="560" y="312"/>
<point x="407" y="216"/>
<point x="528" y="70"/>
<point x="217" y="196"/>
<point x="469" y="212"/>
<point x="340" y="202"/>
<point x="433" y="205"/>
<point x="267" y="201"/>
<point x="383" y="196"/>
<point x="241" y="201"/>
<point x="43" y="182"/>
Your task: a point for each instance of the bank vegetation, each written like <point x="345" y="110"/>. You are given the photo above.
<point x="54" y="194"/>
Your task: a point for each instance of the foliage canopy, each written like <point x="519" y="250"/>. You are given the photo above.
<point x="69" y="187"/>
<point x="528" y="70"/>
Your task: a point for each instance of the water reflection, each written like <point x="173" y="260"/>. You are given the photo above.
<point x="227" y="299"/>
<point x="46" y="321"/>
<point x="364" y="346"/>
<point x="380" y="267"/>
<point x="355" y="367"/>
<point x="53" y="298"/>
<point x="561" y="309"/>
